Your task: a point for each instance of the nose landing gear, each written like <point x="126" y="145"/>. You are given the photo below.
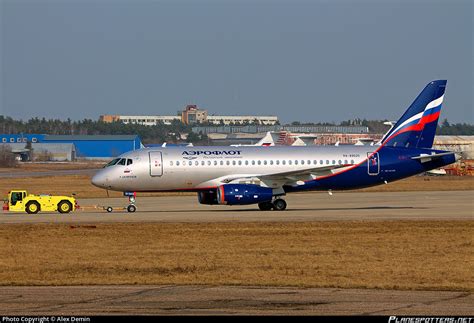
<point x="131" y="203"/>
<point x="132" y="198"/>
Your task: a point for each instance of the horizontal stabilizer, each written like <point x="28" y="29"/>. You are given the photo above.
<point x="426" y="157"/>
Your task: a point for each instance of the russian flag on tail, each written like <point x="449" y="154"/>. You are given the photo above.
<point x="417" y="126"/>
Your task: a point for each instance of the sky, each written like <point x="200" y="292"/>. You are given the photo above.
<point x="313" y="61"/>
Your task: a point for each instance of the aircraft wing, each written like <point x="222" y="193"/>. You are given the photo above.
<point x="288" y="178"/>
<point x="426" y="157"/>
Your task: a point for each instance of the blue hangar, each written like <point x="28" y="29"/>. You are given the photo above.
<point x="85" y="146"/>
<point x="98" y="146"/>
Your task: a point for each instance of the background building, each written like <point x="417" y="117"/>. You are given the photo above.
<point x="191" y="114"/>
<point x="142" y="120"/>
<point x="98" y="146"/>
<point x="44" y="152"/>
<point x="67" y="147"/>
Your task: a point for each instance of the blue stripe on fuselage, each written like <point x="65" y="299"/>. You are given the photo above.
<point x="395" y="164"/>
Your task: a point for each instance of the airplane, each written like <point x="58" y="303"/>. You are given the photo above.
<point x="264" y="175"/>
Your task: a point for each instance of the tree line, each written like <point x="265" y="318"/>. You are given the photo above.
<point x="172" y="133"/>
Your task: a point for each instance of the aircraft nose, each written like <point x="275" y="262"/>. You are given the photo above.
<point x="99" y="180"/>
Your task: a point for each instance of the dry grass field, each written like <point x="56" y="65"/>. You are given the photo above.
<point x="81" y="185"/>
<point x="51" y="166"/>
<point x="388" y="255"/>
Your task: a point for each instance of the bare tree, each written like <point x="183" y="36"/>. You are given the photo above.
<point x="7" y="158"/>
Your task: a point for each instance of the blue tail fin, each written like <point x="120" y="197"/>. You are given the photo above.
<point x="417" y="126"/>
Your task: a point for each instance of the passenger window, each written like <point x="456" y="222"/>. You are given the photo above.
<point x="352" y="162"/>
<point x="296" y="162"/>
<point x="227" y="163"/>
<point x="333" y="162"/>
<point x="196" y="163"/>
<point x="321" y="162"/>
<point x="277" y="162"/>
<point x="222" y="163"/>
<point x="246" y="162"/>
<point x="339" y="162"/>
<point x="289" y="162"/>
<point x="264" y="162"/>
<point x="240" y="163"/>
<point x="327" y="161"/>
<point x="253" y="162"/>
<point x="177" y="163"/>
<point x="271" y="162"/>
<point x="171" y="163"/>
<point x="233" y="162"/>
<point x="208" y="163"/>
<point x="203" y="163"/>
<point x="190" y="163"/>
<point x="345" y="162"/>
<point x="302" y="162"/>
<point x="283" y="162"/>
<point x="259" y="162"/>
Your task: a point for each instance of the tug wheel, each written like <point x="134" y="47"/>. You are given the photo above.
<point x="32" y="207"/>
<point x="64" y="207"/>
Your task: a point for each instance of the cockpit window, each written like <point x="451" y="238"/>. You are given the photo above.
<point x="129" y="161"/>
<point x="122" y="161"/>
<point x="113" y="162"/>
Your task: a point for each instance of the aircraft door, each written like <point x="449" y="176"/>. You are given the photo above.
<point x="156" y="163"/>
<point x="373" y="163"/>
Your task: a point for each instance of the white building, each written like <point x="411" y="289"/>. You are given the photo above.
<point x="149" y="120"/>
<point x="263" y="120"/>
<point x="185" y="117"/>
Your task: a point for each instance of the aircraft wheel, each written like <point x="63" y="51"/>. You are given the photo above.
<point x="109" y="209"/>
<point x="279" y="205"/>
<point x="265" y="206"/>
<point x="131" y="208"/>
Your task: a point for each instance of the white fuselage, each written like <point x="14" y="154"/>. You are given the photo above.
<point x="194" y="168"/>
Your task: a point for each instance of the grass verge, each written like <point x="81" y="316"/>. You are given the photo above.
<point x="387" y="255"/>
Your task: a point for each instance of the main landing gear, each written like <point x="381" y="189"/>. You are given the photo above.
<point x="277" y="205"/>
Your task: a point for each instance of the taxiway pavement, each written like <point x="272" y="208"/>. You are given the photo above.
<point x="307" y="207"/>
<point x="228" y="300"/>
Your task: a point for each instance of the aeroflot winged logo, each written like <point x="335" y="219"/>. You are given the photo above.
<point x="193" y="154"/>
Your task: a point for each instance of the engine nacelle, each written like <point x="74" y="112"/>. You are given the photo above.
<point x="208" y="197"/>
<point x="242" y="194"/>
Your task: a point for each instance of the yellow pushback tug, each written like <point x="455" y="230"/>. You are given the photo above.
<point x="21" y="201"/>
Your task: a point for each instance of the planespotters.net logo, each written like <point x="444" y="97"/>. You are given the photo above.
<point x="397" y="319"/>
